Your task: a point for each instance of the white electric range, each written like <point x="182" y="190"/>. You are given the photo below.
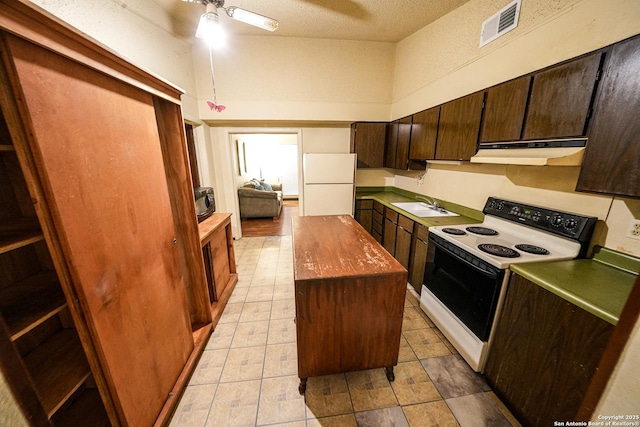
<point x="468" y="266"/>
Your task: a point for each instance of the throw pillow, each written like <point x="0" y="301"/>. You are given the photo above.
<point x="266" y="186"/>
<point x="254" y="183"/>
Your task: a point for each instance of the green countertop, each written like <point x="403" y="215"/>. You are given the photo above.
<point x="388" y="195"/>
<point x="600" y="285"/>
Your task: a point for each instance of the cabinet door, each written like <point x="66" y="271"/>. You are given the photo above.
<point x="424" y="131"/>
<point x="611" y="160"/>
<point x="403" y="247"/>
<point x="458" y="128"/>
<point x="561" y="98"/>
<point x="505" y="105"/>
<point x="96" y="140"/>
<point x="391" y="147"/>
<point x="220" y="256"/>
<point x="389" y="236"/>
<point x="377" y="223"/>
<point x="364" y="213"/>
<point x="418" y="260"/>
<point x="537" y="363"/>
<point x="404" y="140"/>
<point x="368" y="142"/>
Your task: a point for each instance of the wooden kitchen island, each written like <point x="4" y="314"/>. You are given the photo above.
<point x="349" y="295"/>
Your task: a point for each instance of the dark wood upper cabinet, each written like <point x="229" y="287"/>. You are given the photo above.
<point x="611" y="159"/>
<point x="505" y="106"/>
<point x="368" y="142"/>
<point x="391" y="146"/>
<point x="424" y="133"/>
<point x="561" y="98"/>
<point x="459" y="126"/>
<point x="398" y="142"/>
<point x="404" y="141"/>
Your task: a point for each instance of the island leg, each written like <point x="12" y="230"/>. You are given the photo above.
<point x="389" y="371"/>
<point x="303" y="385"/>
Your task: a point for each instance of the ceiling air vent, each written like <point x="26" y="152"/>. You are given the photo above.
<point x="500" y="23"/>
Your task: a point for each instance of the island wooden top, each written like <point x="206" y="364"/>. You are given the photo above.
<point x="337" y="246"/>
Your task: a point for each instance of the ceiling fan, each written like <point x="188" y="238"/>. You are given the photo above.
<point x="210" y="18"/>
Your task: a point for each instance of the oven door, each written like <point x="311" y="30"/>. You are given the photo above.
<point x="468" y="286"/>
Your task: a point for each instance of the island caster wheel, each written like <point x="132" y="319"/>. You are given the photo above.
<point x="303" y="386"/>
<point x="389" y="371"/>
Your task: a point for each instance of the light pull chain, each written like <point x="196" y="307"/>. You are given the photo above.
<point x="214" y="105"/>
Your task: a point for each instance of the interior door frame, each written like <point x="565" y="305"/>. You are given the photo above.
<point x="233" y="162"/>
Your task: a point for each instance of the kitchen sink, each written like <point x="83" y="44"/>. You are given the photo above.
<point x="423" y="210"/>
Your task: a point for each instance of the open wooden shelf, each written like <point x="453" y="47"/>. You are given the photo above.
<point x="30" y="302"/>
<point x="18" y="233"/>
<point x="86" y="410"/>
<point x="9" y="243"/>
<point x="58" y="368"/>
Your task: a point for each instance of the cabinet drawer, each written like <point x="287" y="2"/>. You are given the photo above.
<point x="364" y="204"/>
<point x="391" y="215"/>
<point x="423" y="232"/>
<point x="406" y="223"/>
<point x="377" y="217"/>
<point x="377" y="227"/>
<point x="378" y="206"/>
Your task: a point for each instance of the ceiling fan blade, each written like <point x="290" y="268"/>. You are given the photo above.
<point x="350" y="8"/>
<point x="252" y="18"/>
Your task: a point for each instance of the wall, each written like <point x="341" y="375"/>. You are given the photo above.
<point x="287" y="78"/>
<point x="548" y="32"/>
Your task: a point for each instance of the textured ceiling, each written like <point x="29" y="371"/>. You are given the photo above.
<point x="370" y="20"/>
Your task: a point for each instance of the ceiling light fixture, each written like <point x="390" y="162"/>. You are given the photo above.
<point x="234" y="12"/>
<point x="209" y="27"/>
<point x="252" y="18"/>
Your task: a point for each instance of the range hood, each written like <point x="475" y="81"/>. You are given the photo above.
<point x="557" y="152"/>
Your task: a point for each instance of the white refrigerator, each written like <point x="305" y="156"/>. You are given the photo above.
<point x="329" y="183"/>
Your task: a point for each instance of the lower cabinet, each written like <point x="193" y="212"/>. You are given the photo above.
<point x="377" y="222"/>
<point x="404" y="240"/>
<point x="216" y="239"/>
<point x="418" y="257"/>
<point x="402" y="237"/>
<point x="390" y="230"/>
<point x="364" y="213"/>
<point x="544" y="354"/>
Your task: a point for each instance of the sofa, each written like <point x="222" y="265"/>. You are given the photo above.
<point x="260" y="200"/>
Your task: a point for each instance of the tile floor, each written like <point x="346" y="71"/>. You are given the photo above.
<point x="247" y="375"/>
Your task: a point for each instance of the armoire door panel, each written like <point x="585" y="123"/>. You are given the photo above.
<point x="97" y="140"/>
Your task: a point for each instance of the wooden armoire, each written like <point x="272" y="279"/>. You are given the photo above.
<point x="104" y="307"/>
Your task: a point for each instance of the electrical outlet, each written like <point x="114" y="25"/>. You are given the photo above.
<point x="634" y="229"/>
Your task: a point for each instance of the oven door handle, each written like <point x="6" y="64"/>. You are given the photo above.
<point x="481" y="266"/>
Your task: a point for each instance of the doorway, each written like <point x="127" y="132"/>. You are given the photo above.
<point x="272" y="158"/>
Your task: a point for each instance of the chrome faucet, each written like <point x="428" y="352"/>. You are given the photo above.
<point x="433" y="203"/>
